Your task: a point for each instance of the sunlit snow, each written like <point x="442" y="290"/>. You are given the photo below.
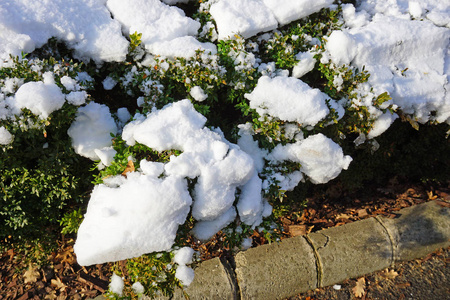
<point x="85" y="26"/>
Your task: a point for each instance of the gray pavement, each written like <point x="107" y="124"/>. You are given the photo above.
<point x="324" y="258"/>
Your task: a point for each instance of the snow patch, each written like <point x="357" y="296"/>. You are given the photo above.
<point x="26" y="25"/>
<point x="92" y="130"/>
<point x="272" y="96"/>
<point x="139" y="216"/>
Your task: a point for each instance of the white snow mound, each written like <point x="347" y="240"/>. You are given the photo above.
<point x="272" y="96"/>
<point x="286" y="11"/>
<point x="28" y="24"/>
<point x="156" y="21"/>
<point x="39" y="97"/>
<point x="244" y="17"/>
<point x="321" y="159"/>
<point x="140" y="216"/>
<point x="92" y="130"/>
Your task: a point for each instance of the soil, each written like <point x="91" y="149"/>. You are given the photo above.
<point x="62" y="278"/>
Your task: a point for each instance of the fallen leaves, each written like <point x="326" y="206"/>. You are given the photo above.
<point x="359" y="289"/>
<point x="342" y="216"/>
<point x="362" y="213"/>
<point x="296" y="230"/>
<point x="389" y="274"/>
<point x="66" y="256"/>
<point x="58" y="284"/>
<point x="431" y="196"/>
<point x="128" y="168"/>
<point x="31" y="275"/>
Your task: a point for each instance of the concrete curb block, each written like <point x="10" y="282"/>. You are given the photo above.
<point x="325" y="257"/>
<point x="418" y="230"/>
<point x="351" y="250"/>
<point x="332" y="255"/>
<point x="214" y="279"/>
<point x="277" y="270"/>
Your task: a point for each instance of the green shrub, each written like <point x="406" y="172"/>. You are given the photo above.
<point x="40" y="172"/>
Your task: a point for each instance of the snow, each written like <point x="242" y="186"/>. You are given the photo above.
<point x="413" y="72"/>
<point x="5" y="136"/>
<point x="271" y="96"/>
<point x="185" y="275"/>
<point x="204" y="230"/>
<point x="116" y="285"/>
<point x="39" y="97"/>
<point x="151" y="168"/>
<point x="109" y="83"/>
<point x="77" y="98"/>
<point x="91" y="32"/>
<point x="106" y="155"/>
<point x="147" y="221"/>
<point x="353" y="18"/>
<point x="172" y="2"/>
<point x="198" y="94"/>
<point x="406" y="8"/>
<point x="321" y="159"/>
<point x="156" y="21"/>
<point x="219" y="181"/>
<point x="342" y="47"/>
<point x="185" y="46"/>
<point x="250" y="205"/>
<point x="415" y="9"/>
<point x="123" y="115"/>
<point x="10" y="85"/>
<point x="183" y="256"/>
<point x="250" y="17"/>
<point x="138" y="288"/>
<point x="92" y="130"/>
<point x="243" y="17"/>
<point x="205" y="155"/>
<point x="286" y="11"/>
<point x="69" y="83"/>
<point x="382" y="124"/>
<point x="306" y="64"/>
<point x="246" y="243"/>
<point x="250" y="146"/>
<point x="139" y="216"/>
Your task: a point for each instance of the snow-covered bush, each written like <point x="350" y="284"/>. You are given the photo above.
<point x="40" y="172"/>
<point x="207" y="122"/>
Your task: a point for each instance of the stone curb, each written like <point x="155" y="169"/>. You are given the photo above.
<point x="325" y="257"/>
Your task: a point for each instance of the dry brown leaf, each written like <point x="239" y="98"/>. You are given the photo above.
<point x="31" y="274"/>
<point x="362" y="212"/>
<point x="129" y="168"/>
<point x="358" y="290"/>
<point x="66" y="256"/>
<point x="51" y="296"/>
<point x="342" y="216"/>
<point x="431" y="196"/>
<point x="57" y="283"/>
<point x="389" y="274"/>
<point x="296" y="230"/>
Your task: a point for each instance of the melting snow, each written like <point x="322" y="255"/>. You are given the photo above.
<point x="28" y="24"/>
<point x="272" y="96"/>
<point x="92" y="130"/>
<point x="139" y="216"/>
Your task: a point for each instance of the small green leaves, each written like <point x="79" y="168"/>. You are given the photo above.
<point x="135" y="41"/>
